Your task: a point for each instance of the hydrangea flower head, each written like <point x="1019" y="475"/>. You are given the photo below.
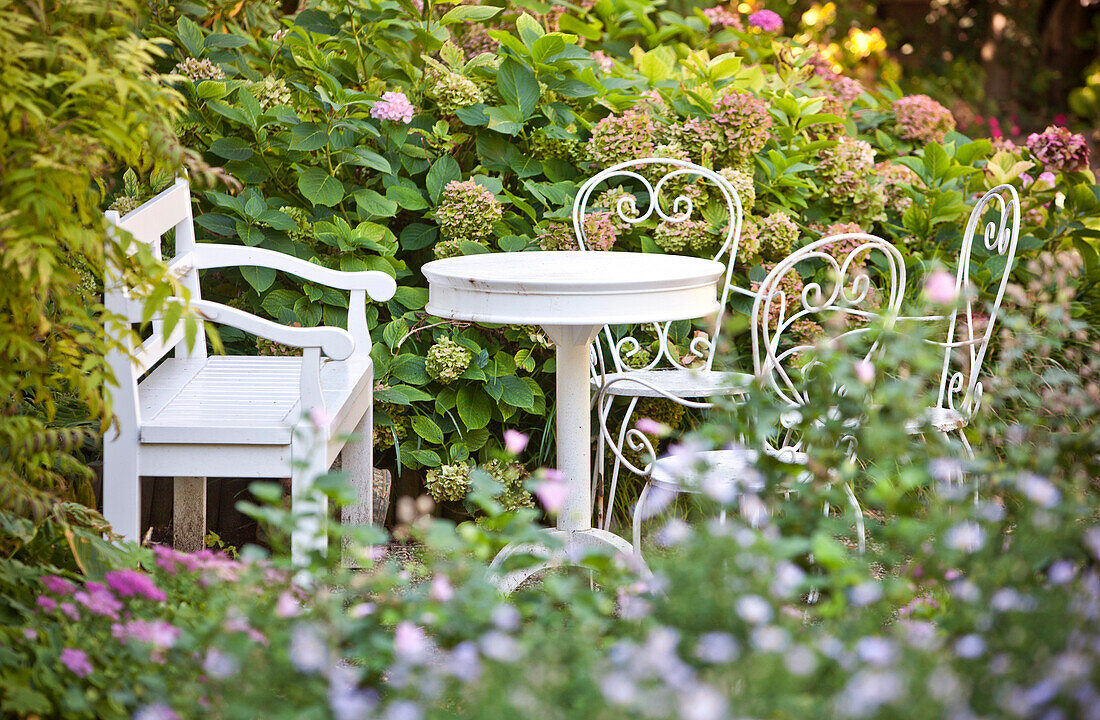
<point x="452" y="91"/>
<point x="447" y="360"/>
<point x="743" y="184"/>
<point x="271" y="92"/>
<point x="766" y="20"/>
<point x="922" y="119"/>
<point x="393" y="106"/>
<point x="778" y="235"/>
<point x="467" y="211"/>
<point x="720" y="18"/>
<point x="198" y="70"/>
<point x="1059" y="149"/>
<point x="744" y="121"/>
<point x="448" y="482"/>
<point x="617" y="138"/>
<point x="677" y="237"/>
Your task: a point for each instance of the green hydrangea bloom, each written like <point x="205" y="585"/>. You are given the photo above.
<point x="743" y="184"/>
<point x="778" y="235"/>
<point x="749" y="247"/>
<point x="557" y="236"/>
<point x="383" y="433"/>
<point x="617" y="138"/>
<point x="447" y="360"/>
<point x="684" y="235"/>
<point x="452" y="91"/>
<point x="467" y="211"/>
<point x="512" y="477"/>
<point x="448" y="482"/>
<point x="271" y="92"/>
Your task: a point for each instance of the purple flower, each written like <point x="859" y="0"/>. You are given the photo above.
<point x="393" y="106"/>
<point x="1059" y="149"/>
<point x="514" y="441"/>
<point x="70" y="611"/>
<point x="766" y="20"/>
<point x="131" y="583"/>
<point x="76" y="661"/>
<point x="410" y="642"/>
<point x="287" y="606"/>
<point x="922" y="119"/>
<point x="649" y="426"/>
<point x="441" y="589"/>
<point x="46" y="603"/>
<point x="158" y="632"/>
<point x="552" y="490"/>
<point x="58" y="585"/>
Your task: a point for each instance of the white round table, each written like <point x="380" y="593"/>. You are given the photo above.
<point x="571" y="295"/>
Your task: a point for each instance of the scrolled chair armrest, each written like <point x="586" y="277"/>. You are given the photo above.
<point x="335" y="343"/>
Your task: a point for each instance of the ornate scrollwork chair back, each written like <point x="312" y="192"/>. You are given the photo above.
<point x="971" y="323"/>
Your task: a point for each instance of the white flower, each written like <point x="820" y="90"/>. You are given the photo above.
<point x="496" y="645"/>
<point x="308" y="651"/>
<point x="754" y="609"/>
<point x="674" y="532"/>
<point x="505" y="617"/>
<point x="865" y="593"/>
<point x="876" y="650"/>
<point x="969" y="646"/>
<point x="716" y="647"/>
<point x="800" y="660"/>
<point x="967" y="536"/>
<point x="1039" y="490"/>
<point x="702" y="702"/>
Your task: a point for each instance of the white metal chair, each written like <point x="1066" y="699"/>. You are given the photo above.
<point x="191" y="416"/>
<point x="664" y="373"/>
<point x="847" y="293"/>
<point x="966" y="345"/>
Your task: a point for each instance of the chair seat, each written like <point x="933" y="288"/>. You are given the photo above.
<point x="943" y="419"/>
<point x="691" y="473"/>
<point x="242" y="400"/>
<point x="681" y="383"/>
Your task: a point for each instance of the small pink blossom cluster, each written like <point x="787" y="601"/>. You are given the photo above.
<point x="208" y="562"/>
<point x="922" y="119"/>
<point x="720" y="18"/>
<point x="617" y="138"/>
<point x="603" y="61"/>
<point x="766" y="20"/>
<point x="393" y="106"/>
<point x="1059" y="149"/>
<point x="841" y="249"/>
<point x="688" y="234"/>
<point x="132" y="583"/>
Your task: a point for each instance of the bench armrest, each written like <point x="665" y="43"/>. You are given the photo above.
<point x="335" y="343"/>
<point x="378" y="285"/>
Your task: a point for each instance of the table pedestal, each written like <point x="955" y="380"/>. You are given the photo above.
<point x="574" y="531"/>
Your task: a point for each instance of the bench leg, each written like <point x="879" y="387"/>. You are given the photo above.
<point x="308" y="459"/>
<point x="357" y="460"/>
<point x="121" y="486"/>
<point x="189" y="513"/>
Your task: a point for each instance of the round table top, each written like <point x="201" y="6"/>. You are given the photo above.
<point x="572" y="287"/>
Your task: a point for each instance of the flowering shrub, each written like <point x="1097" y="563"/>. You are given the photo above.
<point x="922" y="119"/>
<point x="447" y="360"/>
<point x="1059" y="150"/>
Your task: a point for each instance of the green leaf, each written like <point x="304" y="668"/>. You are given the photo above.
<point x="417" y="236"/>
<point x="412" y="298"/>
<point x="936" y="160"/>
<point x="475" y="408"/>
<point x="473" y="114"/>
<point x="374" y="204"/>
<point x="410" y="368"/>
<point x="495" y="150"/>
<point x="190" y="35"/>
<point x="442" y="171"/>
<point x="427" y="429"/>
<point x="223" y="40"/>
<point x="517" y="86"/>
<point x="547" y="46"/>
<point x="529" y="29"/>
<point x="317" y="21"/>
<point x="367" y="158"/>
<point x="320" y="188"/>
<point x="507" y="120"/>
<point x="219" y="224"/>
<point x="469" y="13"/>
<point x="406" y="197"/>
<point x="516" y="392"/>
<point x="260" y="278"/>
<point x="309" y="136"/>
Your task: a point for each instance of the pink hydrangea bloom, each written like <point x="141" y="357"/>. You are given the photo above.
<point x="393" y="106"/>
<point x="865" y="372"/>
<point x="131" y="583"/>
<point x="623" y="137"/>
<point x="922" y="119"/>
<point x="766" y="20"/>
<point x="720" y="18"/>
<point x="76" y="661"/>
<point x="58" y="585"/>
<point x="1059" y="149"/>
<point x="744" y="121"/>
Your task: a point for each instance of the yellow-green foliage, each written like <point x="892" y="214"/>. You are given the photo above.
<point x="78" y="100"/>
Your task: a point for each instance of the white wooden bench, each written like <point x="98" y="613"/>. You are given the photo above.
<point x="192" y="417"/>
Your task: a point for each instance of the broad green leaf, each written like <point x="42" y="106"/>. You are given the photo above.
<point x="529" y="29"/>
<point x="475" y="408"/>
<point x="417" y="236"/>
<point x="320" y="188"/>
<point x="409" y="368"/>
<point x="224" y="40"/>
<point x="260" y="278"/>
<point x="309" y="136"/>
<point x="516" y="392"/>
<point x="443" y="171"/>
<point x="469" y="13"/>
<point x="190" y="34"/>
<point x="374" y="204"/>
<point x="406" y="197"/>
<point x="518" y="87"/>
<point x="426" y="428"/>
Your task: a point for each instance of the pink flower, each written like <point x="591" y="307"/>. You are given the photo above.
<point x="98" y="600"/>
<point x="157" y="711"/>
<point x="514" y="441"/>
<point x="441" y="589"/>
<point x="318" y="418"/>
<point x="552" y="490"/>
<point x="29" y="634"/>
<point x="70" y="611"/>
<point x="939" y="287"/>
<point x="131" y="583"/>
<point x="410" y="642"/>
<point x="1045" y="181"/>
<point x="865" y="372"/>
<point x="1059" y="149"/>
<point x="1026" y="179"/>
<point x="649" y="426"/>
<point x="393" y="106"/>
<point x="922" y="119"/>
<point x="766" y="20"/>
<point x="76" y="661"/>
<point x="721" y="18"/>
<point x="58" y="585"/>
<point x="287" y="606"/>
<point x="158" y="632"/>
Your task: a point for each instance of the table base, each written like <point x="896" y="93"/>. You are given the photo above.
<point x="574" y="545"/>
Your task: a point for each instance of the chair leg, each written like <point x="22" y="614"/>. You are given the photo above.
<point x="189" y="513"/>
<point x="617" y="465"/>
<point x="308" y="461"/>
<point x="122" y="485"/>
<point x="637" y="536"/>
<point x="357" y="460"/>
